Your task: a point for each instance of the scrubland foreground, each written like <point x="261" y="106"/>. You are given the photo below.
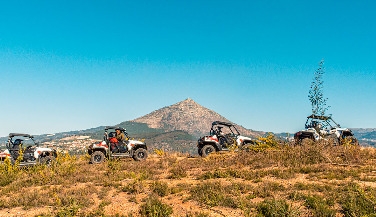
<point x="314" y="179"/>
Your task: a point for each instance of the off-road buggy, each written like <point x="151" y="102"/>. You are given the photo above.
<point x="318" y="127"/>
<point x="111" y="148"/>
<point x="223" y="135"/>
<point x="23" y="146"/>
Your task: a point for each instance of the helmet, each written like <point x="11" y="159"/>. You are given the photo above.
<point x="17" y="142"/>
<point x="120" y="128"/>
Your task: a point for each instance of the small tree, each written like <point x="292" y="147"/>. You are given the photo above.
<point x="316" y="96"/>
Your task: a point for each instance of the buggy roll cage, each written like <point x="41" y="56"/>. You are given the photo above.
<point x="312" y="121"/>
<point x="105" y="137"/>
<point x="11" y="135"/>
<point x="227" y="124"/>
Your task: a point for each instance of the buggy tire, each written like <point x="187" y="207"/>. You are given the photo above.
<point x="246" y="145"/>
<point x="199" y="151"/>
<point x="206" y="150"/>
<point x="47" y="160"/>
<point x="97" y="157"/>
<point x="140" y="154"/>
<point x="334" y="140"/>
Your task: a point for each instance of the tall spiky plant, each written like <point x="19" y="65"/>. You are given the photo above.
<point x="316" y="96"/>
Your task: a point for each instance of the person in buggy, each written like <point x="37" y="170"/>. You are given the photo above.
<point x="16" y="147"/>
<point x="117" y="141"/>
<point x="17" y="144"/>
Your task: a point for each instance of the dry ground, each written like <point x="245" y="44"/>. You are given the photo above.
<point x="308" y="180"/>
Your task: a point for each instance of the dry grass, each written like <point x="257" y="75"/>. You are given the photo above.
<point x="314" y="179"/>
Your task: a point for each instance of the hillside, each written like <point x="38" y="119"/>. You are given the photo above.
<point x="366" y="136"/>
<point x="308" y="180"/>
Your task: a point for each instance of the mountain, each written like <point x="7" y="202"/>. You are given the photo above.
<point x="366" y="136"/>
<point x="364" y="133"/>
<point x="187" y="116"/>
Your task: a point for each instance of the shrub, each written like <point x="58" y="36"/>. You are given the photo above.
<point x="358" y="202"/>
<point x="208" y="193"/>
<point x="177" y="173"/>
<point x="153" y="207"/>
<point x="216" y="194"/>
<point x="135" y="187"/>
<point x="276" y="208"/>
<point x="160" y="188"/>
<point x="70" y="210"/>
<point x="99" y="211"/>
<point x="270" y="140"/>
<point x="319" y="206"/>
<point x="268" y="189"/>
<point x="159" y="152"/>
<point x="8" y="172"/>
<point x="264" y="143"/>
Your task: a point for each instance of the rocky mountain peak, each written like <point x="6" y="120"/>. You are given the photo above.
<point x="188" y="116"/>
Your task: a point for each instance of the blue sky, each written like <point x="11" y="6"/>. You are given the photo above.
<point x="71" y="65"/>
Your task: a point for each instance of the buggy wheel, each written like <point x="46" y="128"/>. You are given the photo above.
<point x="47" y="160"/>
<point x="334" y="140"/>
<point x="140" y="154"/>
<point x="97" y="157"/>
<point x="199" y="151"/>
<point x="246" y="145"/>
<point x="206" y="150"/>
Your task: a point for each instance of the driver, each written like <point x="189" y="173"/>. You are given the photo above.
<point x="120" y="136"/>
<point x="17" y="143"/>
<point x="219" y="131"/>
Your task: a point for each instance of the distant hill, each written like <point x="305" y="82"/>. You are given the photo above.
<point x="366" y="136"/>
<point x="365" y="133"/>
<point x="188" y="116"/>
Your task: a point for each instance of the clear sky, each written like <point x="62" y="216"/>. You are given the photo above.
<point x="72" y="65"/>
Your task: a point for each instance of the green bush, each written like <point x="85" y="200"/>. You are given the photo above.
<point x="177" y="173"/>
<point x="208" y="193"/>
<point x="216" y="194"/>
<point x="358" y="202"/>
<point x="135" y="187"/>
<point x="69" y="210"/>
<point x="160" y="188"/>
<point x="153" y="207"/>
<point x="268" y="189"/>
<point x="319" y="206"/>
<point x="276" y="208"/>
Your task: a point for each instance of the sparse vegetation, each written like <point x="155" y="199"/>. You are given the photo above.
<point x="314" y="179"/>
<point x="276" y="208"/>
<point x="154" y="207"/>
